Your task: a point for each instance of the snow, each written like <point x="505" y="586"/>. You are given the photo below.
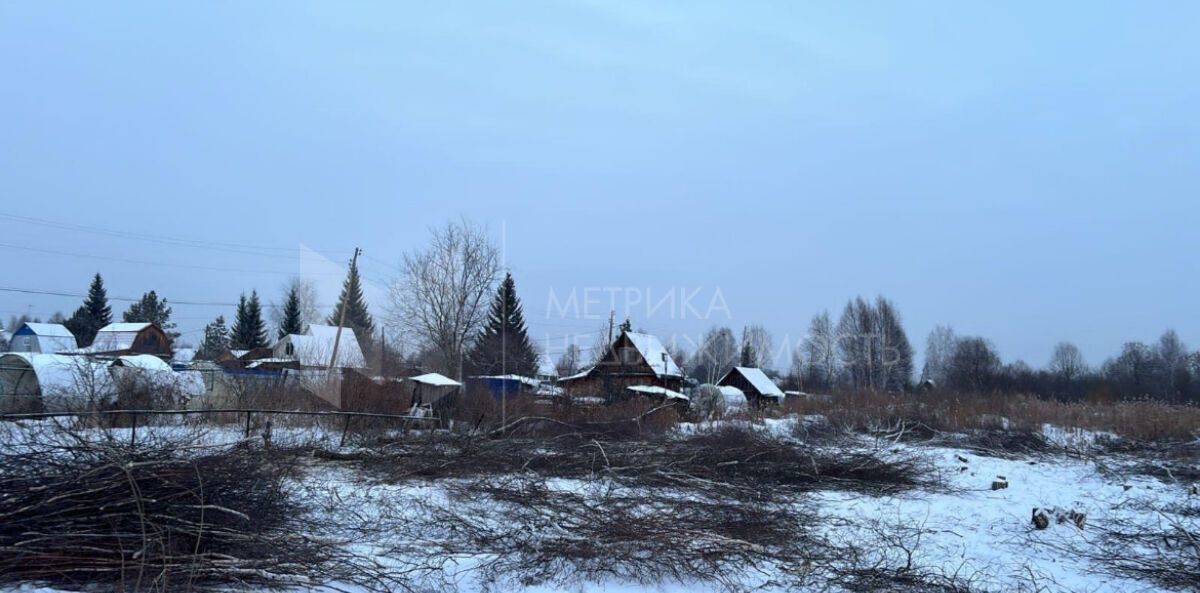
<point x="125" y="327"/>
<point x="652" y="349"/>
<point x="63" y="381"/>
<point x="116" y="336"/>
<point x="656" y="390"/>
<point x="315" y="347"/>
<point x="732" y="396"/>
<point x="965" y="529"/>
<point x="529" y="381"/>
<point x="759" y="380"/>
<point x="436" y="380"/>
<point x="49" y="338"/>
<point x="144" y="362"/>
<point x="579" y="375"/>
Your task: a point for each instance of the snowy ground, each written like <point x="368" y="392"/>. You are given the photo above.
<point x="967" y="530"/>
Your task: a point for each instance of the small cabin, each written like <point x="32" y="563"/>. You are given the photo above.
<point x="758" y="388"/>
<point x="43" y="338"/>
<point x="633" y="359"/>
<point x="120" y="339"/>
<point x="314" y="348"/>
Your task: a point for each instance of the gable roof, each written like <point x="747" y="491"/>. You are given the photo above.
<point x="315" y="347"/>
<point x="653" y="351"/>
<point x="757" y="379"/>
<point x="51" y="338"/>
<point x="435" y="379"/>
<point x="46" y="330"/>
<point x="656" y="390"/>
<point x="115" y="337"/>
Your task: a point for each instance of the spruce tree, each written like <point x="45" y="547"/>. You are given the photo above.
<point x="94" y="314"/>
<point x="748" y="356"/>
<point x="357" y="316"/>
<point x="151" y="309"/>
<point x="291" y="321"/>
<point x="216" y="339"/>
<point x="504" y="346"/>
<point x="249" y="330"/>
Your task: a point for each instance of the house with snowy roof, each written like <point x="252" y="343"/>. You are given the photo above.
<point x="43" y="338"/>
<point x="758" y="388"/>
<point x="313" y="349"/>
<point x="127" y="338"/>
<point x="635" y="363"/>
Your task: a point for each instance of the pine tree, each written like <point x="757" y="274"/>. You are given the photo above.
<point x="151" y="309"/>
<point x="249" y="330"/>
<point x="357" y="316"/>
<point x="94" y="314"/>
<point x="291" y="322"/>
<point x="216" y="339"/>
<point x="504" y="346"/>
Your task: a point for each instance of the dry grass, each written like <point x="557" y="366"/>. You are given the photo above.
<point x="1137" y="421"/>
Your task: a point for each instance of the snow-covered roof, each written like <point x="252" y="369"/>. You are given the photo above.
<point x="530" y="381"/>
<point x="546" y="366"/>
<point x="145" y="362"/>
<point x="757" y="378"/>
<point x="50" y="330"/>
<point x="115" y="337"/>
<point x="652" y="349"/>
<point x="126" y="326"/>
<point x="315" y="347"/>
<point x="435" y="379"/>
<point x="579" y="375"/>
<point x="47" y="338"/>
<point x="656" y="390"/>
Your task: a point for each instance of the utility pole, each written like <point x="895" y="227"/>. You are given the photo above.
<point x="337" y="337"/>
<point x="611" y="317"/>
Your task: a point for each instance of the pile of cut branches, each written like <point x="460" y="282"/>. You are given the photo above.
<point x="164" y="516"/>
<point x="735" y="463"/>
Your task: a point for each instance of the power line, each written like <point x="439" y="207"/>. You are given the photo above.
<point x="144" y="262"/>
<point x="245" y="249"/>
<point x="127" y="299"/>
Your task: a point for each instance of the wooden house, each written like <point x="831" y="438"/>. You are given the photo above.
<point x="758" y="388"/>
<point x="633" y="360"/>
<point x="120" y="339"/>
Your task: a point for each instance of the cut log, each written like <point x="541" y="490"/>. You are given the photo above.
<point x="999" y="484"/>
<point x="1041" y="518"/>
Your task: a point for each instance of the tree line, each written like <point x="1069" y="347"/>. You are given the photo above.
<point x="460" y="315"/>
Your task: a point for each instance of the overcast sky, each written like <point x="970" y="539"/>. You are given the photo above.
<point x="1026" y="171"/>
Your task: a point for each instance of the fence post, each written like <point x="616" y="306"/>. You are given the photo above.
<point x="345" y="428"/>
<point x="248" y="423"/>
<point x="133" y="431"/>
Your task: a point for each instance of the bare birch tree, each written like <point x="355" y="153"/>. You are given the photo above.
<point x="820" y="348"/>
<point x="443" y="292"/>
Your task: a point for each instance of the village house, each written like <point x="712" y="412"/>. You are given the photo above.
<point x="758" y="388"/>
<point x="120" y="339"/>
<point x="314" y="348"/>
<point x="45" y="338"/>
<point x="634" y="360"/>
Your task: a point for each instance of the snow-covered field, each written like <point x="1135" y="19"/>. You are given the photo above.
<point x="962" y="532"/>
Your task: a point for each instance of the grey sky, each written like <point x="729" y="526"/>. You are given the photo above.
<point x="1025" y="171"/>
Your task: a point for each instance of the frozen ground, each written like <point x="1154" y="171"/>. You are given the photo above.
<point x="977" y="538"/>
